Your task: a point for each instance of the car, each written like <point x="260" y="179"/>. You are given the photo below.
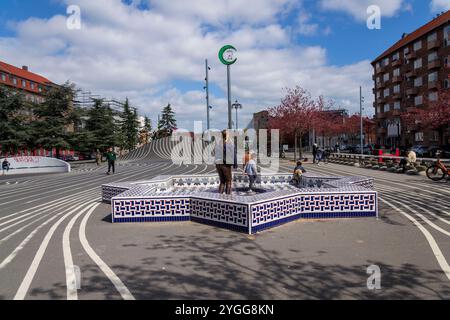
<point x="421" y="151"/>
<point x="444" y="150"/>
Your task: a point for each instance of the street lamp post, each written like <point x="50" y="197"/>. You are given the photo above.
<point x="237" y="106"/>
<point x="208" y="107"/>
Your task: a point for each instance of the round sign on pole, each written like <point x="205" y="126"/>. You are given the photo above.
<point x="227" y="55"/>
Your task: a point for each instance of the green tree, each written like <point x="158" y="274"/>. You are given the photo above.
<point x="100" y="126"/>
<point x="129" y="127"/>
<point x="54" y="118"/>
<point x="14" y="132"/>
<point x="167" y="123"/>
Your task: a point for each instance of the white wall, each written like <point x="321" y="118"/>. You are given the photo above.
<point x="27" y="165"/>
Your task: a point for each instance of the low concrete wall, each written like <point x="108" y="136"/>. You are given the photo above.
<point x="30" y="165"/>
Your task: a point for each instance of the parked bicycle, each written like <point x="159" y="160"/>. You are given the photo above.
<point x="438" y="171"/>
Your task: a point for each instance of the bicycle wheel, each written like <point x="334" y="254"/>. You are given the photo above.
<point x="435" y="173"/>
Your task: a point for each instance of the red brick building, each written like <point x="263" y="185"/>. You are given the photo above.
<point x="407" y="75"/>
<point x="32" y="85"/>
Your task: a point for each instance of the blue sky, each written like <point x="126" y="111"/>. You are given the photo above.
<point x="311" y="33"/>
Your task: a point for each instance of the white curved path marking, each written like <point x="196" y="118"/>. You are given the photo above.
<point x="123" y="290"/>
<point x="26" y="282"/>
<point x="434" y="246"/>
<point x="71" y="280"/>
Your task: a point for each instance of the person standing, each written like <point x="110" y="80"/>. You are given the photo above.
<point x="224" y="155"/>
<point x="98" y="157"/>
<point x="314" y="152"/>
<point x="5" y="166"/>
<point x="251" y="170"/>
<point x="111" y="157"/>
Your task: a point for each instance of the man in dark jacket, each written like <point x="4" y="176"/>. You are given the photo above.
<point x="314" y="152"/>
<point x="111" y="157"/>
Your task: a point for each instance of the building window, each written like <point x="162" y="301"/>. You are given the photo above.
<point x="432" y="77"/>
<point x="386" y="92"/>
<point x="418" y="63"/>
<point x="396" y="56"/>
<point x="418" y="82"/>
<point x="432" y="57"/>
<point x="418" y="45"/>
<point x="3" y="77"/>
<point x="378" y="94"/>
<point x="397" y="89"/>
<point x="32" y="85"/>
<point x="418" y="100"/>
<point x="432" y="37"/>
<point x="397" y="72"/>
<point x="446" y="84"/>
<point x="419" y="137"/>
<point x="434" y="136"/>
<point x="433" y="96"/>
<point x="386" y="77"/>
<point x="15" y="81"/>
<point x="447" y="35"/>
<point x="386" y="62"/>
<point x="24" y="84"/>
<point x="397" y="105"/>
<point x="40" y="89"/>
<point x="405" y="52"/>
<point x="386" y="107"/>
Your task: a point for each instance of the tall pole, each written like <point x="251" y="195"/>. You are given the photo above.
<point x="361" y="117"/>
<point x="237" y="124"/>
<point x="230" y="125"/>
<point x="207" y="95"/>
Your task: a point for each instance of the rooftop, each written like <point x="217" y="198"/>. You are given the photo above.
<point x="23" y="73"/>
<point x="430" y="26"/>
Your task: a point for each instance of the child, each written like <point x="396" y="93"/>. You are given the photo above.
<point x="251" y="170"/>
<point x="298" y="172"/>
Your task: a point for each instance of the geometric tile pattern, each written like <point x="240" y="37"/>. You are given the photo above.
<point x="309" y="206"/>
<point x="195" y="198"/>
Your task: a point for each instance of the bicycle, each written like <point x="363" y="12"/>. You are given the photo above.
<point x="438" y="171"/>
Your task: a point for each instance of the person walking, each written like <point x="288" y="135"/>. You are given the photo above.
<point x="251" y="170"/>
<point x="224" y="155"/>
<point x="111" y="156"/>
<point x="314" y="152"/>
<point x="98" y="157"/>
<point x="5" y="166"/>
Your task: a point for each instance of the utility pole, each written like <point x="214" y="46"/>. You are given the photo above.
<point x="230" y="121"/>
<point x="361" y="117"/>
<point x="207" y="95"/>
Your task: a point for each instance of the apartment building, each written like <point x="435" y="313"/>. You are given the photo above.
<point x="32" y="85"/>
<point x="409" y="75"/>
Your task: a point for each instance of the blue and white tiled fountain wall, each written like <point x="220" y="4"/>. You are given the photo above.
<point x="195" y="198"/>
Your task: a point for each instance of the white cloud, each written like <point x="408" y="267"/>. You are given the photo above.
<point x="122" y="51"/>
<point x="358" y="8"/>
<point x="440" y="5"/>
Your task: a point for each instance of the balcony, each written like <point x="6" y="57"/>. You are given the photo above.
<point x="436" y="64"/>
<point x="412" y="91"/>
<point x="381" y="100"/>
<point x="396" y="79"/>
<point x="397" y="96"/>
<point x="381" y="115"/>
<point x="433" y="85"/>
<point x="412" y="74"/>
<point x="378" y="71"/>
<point x="434" y="44"/>
<point x="411" y="110"/>
<point x="381" y="84"/>
<point x="397" y="63"/>
<point x="382" y="130"/>
<point x="411" y="55"/>
<point x="396" y="112"/>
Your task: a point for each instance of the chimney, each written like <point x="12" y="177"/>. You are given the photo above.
<point x="25" y="68"/>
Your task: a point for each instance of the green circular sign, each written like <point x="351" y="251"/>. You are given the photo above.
<point x="227" y="55"/>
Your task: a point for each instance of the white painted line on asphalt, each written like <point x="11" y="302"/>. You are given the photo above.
<point x="434" y="246"/>
<point x="26" y="282"/>
<point x="120" y="286"/>
<point x="71" y="277"/>
<point x="420" y="215"/>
